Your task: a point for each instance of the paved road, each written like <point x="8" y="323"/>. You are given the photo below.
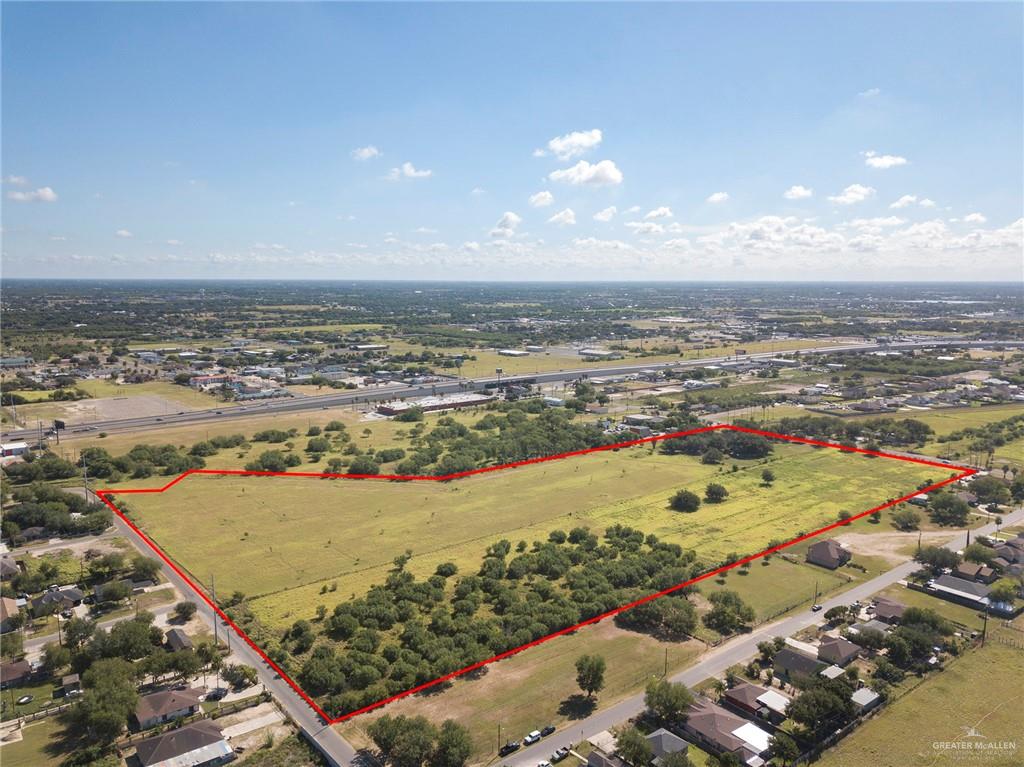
<point x="739" y="650"/>
<point x="331" y="744"/>
<point x="36" y="644"/>
<point x="298" y="404"/>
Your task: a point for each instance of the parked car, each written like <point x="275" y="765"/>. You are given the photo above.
<point x="547" y="730"/>
<point x="532" y="738"/>
<point x="24" y="699"/>
<point x="560" y="754"/>
<point x="816" y="608"/>
<point x="216" y="694"/>
<point x="511" y="747"/>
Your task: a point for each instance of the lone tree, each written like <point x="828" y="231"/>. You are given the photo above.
<point x="183" y="611"/>
<point x="685" y="501"/>
<point x="667" y="701"/>
<point x="715" y="493"/>
<point x="631" y="745"/>
<point x="590" y="673"/>
<point x="767" y="477"/>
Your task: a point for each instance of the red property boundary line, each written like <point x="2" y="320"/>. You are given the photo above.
<point x="105" y="496"/>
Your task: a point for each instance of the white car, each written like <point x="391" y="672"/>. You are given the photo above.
<point x="532" y="738"/>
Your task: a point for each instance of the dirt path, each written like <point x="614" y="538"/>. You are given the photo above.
<point x="892" y="547"/>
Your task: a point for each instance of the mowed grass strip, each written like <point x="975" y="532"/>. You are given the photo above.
<point x="283" y="541"/>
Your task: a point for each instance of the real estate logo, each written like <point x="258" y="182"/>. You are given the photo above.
<point x="973" y="744"/>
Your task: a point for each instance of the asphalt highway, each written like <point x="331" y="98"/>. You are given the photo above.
<point x="377" y="394"/>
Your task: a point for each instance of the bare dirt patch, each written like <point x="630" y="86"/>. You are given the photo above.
<point x="892" y="547"/>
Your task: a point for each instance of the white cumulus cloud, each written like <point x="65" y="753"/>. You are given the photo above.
<point x="124" y="233"/>
<point x="645" y="227"/>
<point x="870" y="93"/>
<point x="507" y="225"/>
<point x="603" y="173"/>
<point x="364" y="153"/>
<point x="904" y="202"/>
<point x="541" y="199"/>
<point x="42" y="194"/>
<point x="926" y="203"/>
<point x="408" y="170"/>
<point x="797" y="192"/>
<point x="975" y="218"/>
<point x="564" y="217"/>
<point x="663" y="212"/>
<point x="16" y="180"/>
<point x="854" y="193"/>
<point x="882" y="161"/>
<point x="718" y="197"/>
<point x="607" y="214"/>
<point x="571" y="144"/>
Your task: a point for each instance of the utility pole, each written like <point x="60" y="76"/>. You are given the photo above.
<point x="984" y="628"/>
<point x="666" y="663"/>
<point x="216" y="622"/>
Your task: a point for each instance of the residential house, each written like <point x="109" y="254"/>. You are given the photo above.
<point x="871" y="625"/>
<point x="8" y="568"/>
<point x="663" y="743"/>
<point x="889" y="610"/>
<point x="159" y="707"/>
<point x="14" y="673"/>
<point x="757" y="701"/>
<point x="598" y="758"/>
<point x="178" y="640"/>
<point x="30" y="534"/>
<point x="964" y="592"/>
<point x="199" y="744"/>
<point x="8" y="613"/>
<point x="972" y="571"/>
<point x="57" y="599"/>
<point x="719" y="731"/>
<point x="838" y="651"/>
<point x="828" y="553"/>
<point x="1010" y="556"/>
<point x="794" y="666"/>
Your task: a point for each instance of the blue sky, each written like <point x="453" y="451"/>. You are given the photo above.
<point x="725" y="141"/>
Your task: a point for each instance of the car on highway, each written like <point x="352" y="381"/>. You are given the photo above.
<point x="532" y="738"/>
<point x="816" y="608"/>
<point x="509" y="748"/>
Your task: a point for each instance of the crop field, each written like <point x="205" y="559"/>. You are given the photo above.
<point x="980" y="690"/>
<point x="290" y="539"/>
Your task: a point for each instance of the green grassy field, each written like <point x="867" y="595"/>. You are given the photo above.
<point x="949" y="420"/>
<point x="40" y="746"/>
<point x="536" y="687"/>
<point x="288" y="538"/>
<point x="980" y="690"/>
